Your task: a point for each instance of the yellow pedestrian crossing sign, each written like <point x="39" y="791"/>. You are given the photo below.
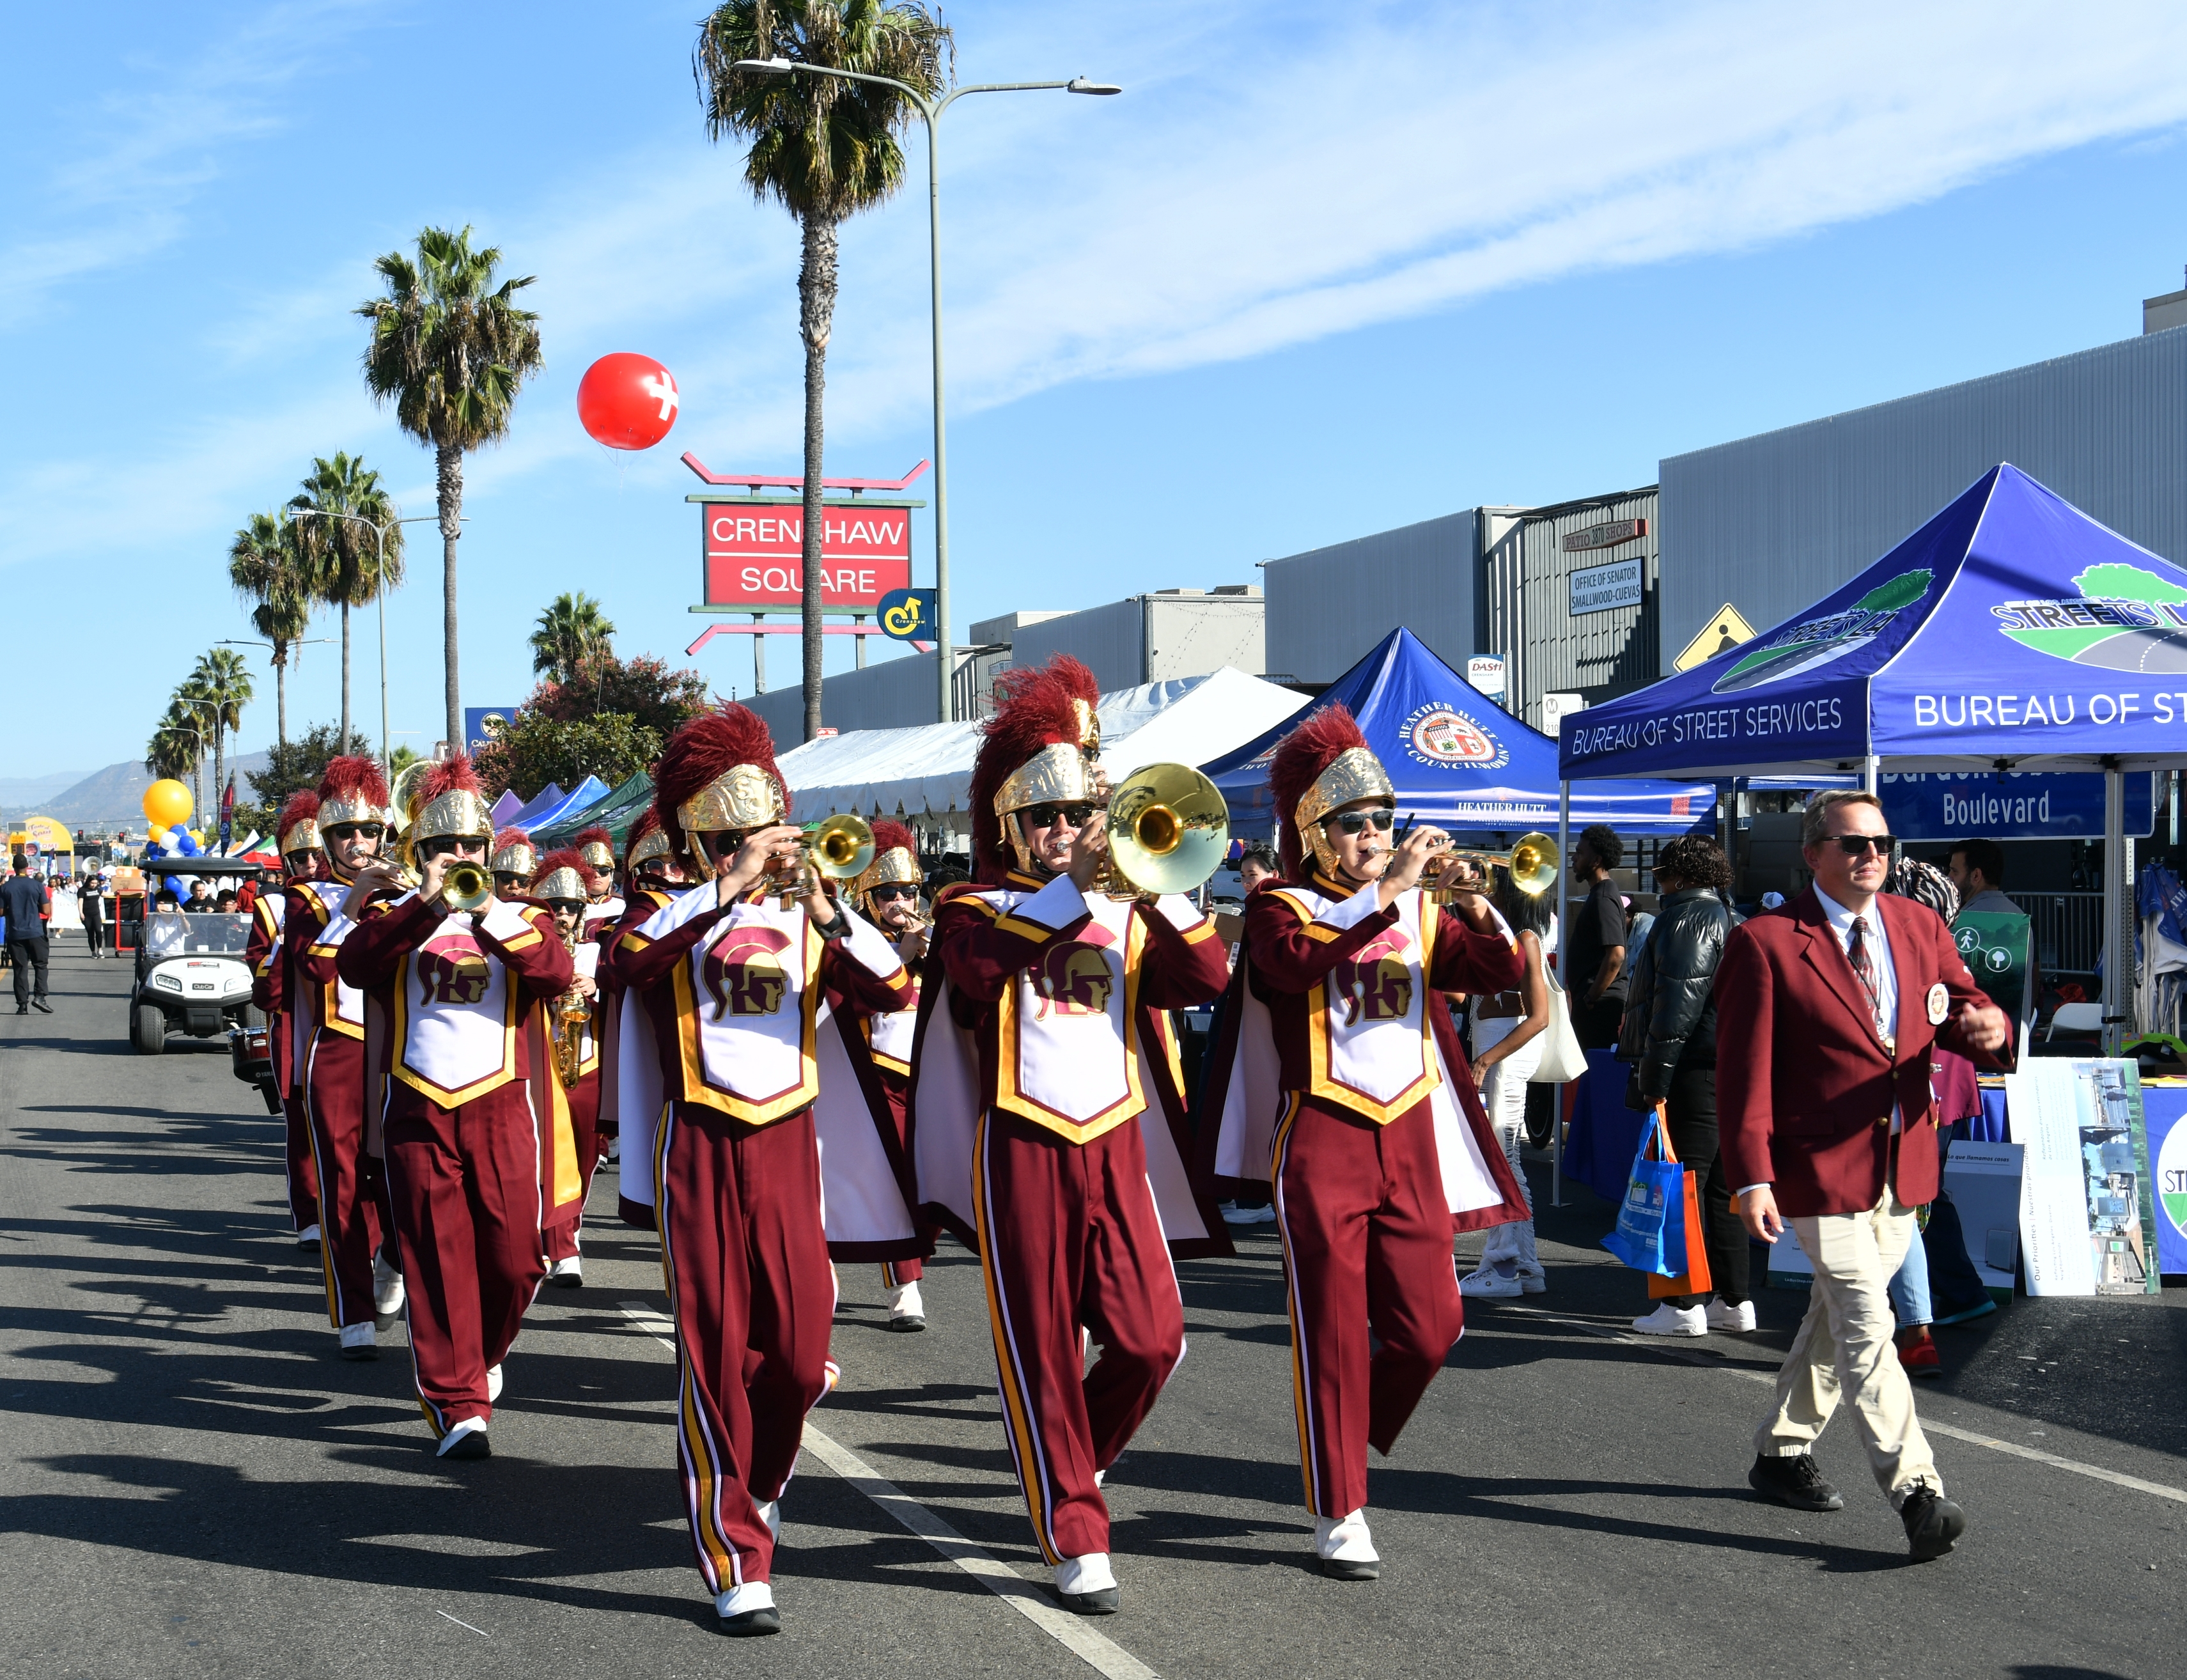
<point x="1724" y="630"/>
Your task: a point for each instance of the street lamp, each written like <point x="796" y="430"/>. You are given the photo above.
<point x="379" y="598"/>
<point x="931" y="110"/>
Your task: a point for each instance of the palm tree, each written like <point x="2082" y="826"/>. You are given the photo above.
<point x="221" y="686"/>
<point x="178" y="745"/>
<point x="267" y="569"/>
<point x="824" y="149"/>
<point x="344" y="558"/>
<point x="571" y="631"/>
<point x="449" y="349"/>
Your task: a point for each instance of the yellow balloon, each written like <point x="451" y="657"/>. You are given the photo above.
<point x="166" y="803"/>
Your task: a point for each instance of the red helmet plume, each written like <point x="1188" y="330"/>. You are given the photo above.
<point x="352" y="784"/>
<point x="508" y="837"/>
<point x="545" y="885"/>
<point x="301" y="807"/>
<point x="703" y="748"/>
<point x="889" y="835"/>
<point x="1301" y="757"/>
<point x="1033" y="708"/>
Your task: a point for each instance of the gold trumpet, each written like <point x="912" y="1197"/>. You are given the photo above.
<point x="1534" y="863"/>
<point x="466" y="886"/>
<point x="1168" y="830"/>
<point x="841" y="849"/>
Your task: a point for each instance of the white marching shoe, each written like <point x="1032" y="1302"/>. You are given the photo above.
<point x="1345" y="1548"/>
<point x="907" y="1311"/>
<point x="492" y="1384"/>
<point x="770" y="1512"/>
<point x="748" y="1610"/>
<point x="360" y="1341"/>
<point x="1667" y="1320"/>
<point x="308" y="1236"/>
<point x="467" y="1440"/>
<point x="387" y="1296"/>
<point x="567" y="1274"/>
<point x="1087" y="1585"/>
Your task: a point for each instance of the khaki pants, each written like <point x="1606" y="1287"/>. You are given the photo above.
<point x="1845" y="1345"/>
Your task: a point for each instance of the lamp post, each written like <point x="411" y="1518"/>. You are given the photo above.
<point x="253" y="641"/>
<point x="379" y="598"/>
<point x="931" y="110"/>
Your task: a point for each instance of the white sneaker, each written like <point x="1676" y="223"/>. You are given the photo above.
<point x="753" y="1595"/>
<point x="1731" y="1320"/>
<point x="770" y="1512"/>
<point x="614" y="1150"/>
<point x="492" y="1384"/>
<point x="307" y="1236"/>
<point x="386" y="1288"/>
<point x="1345" y="1548"/>
<point x="1534" y="1283"/>
<point x="360" y="1335"/>
<point x="1234" y="1214"/>
<point x="1089" y="1574"/>
<point x="468" y="1427"/>
<point x="1485" y="1284"/>
<point x="567" y="1274"/>
<point x="1667" y="1320"/>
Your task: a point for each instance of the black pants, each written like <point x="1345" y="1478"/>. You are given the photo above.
<point x="1692" y="1114"/>
<point x="27" y="954"/>
<point x="94" y="933"/>
<point x="1596" y="1025"/>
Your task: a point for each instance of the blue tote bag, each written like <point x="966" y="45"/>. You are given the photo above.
<point x="1652" y="1221"/>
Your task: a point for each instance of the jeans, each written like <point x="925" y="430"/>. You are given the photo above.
<point x="1692" y="1122"/>
<point x="28" y="955"/>
<point x="1504" y="1096"/>
<point x="1909" y="1286"/>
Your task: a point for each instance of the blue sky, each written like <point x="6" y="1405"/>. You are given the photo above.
<point x="1316" y="273"/>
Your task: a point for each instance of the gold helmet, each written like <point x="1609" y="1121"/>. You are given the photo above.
<point x="717" y="773"/>
<point x="1322" y="766"/>
<point x="896" y="860"/>
<point x="1041" y="746"/>
<point x="447" y="802"/>
<point x="515" y="854"/>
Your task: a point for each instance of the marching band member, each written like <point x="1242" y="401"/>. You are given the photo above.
<point x="654" y="877"/>
<point x="1342" y="1096"/>
<point x="596" y="846"/>
<point x="472" y="1127"/>
<point x="1057" y="986"/>
<point x="515" y="861"/>
<point x="722" y="1157"/>
<point x="564" y="883"/>
<point x="303" y="858"/>
<point x="357" y="1252"/>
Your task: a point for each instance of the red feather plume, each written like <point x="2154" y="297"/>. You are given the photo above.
<point x="1301" y="756"/>
<point x="447" y="776"/>
<point x="888" y="836"/>
<point x="508" y="837"/>
<point x="568" y="858"/>
<point x="1032" y="710"/>
<point x="645" y="822"/>
<point x="589" y="836"/>
<point x="710" y="744"/>
<point x="354" y="778"/>
<point x="302" y="806"/>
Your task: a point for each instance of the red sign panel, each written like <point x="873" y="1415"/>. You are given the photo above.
<point x="755" y="554"/>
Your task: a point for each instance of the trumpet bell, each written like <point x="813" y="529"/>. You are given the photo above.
<point x="466" y="886"/>
<point x="1168" y="829"/>
<point x="1534" y="863"/>
<point x="842" y="847"/>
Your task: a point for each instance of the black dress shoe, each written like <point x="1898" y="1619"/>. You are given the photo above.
<point x="1932" y="1524"/>
<point x="910" y="1324"/>
<point x="752" y="1624"/>
<point x="1351" y="1568"/>
<point x="1796" y="1482"/>
<point x="1102" y="1601"/>
<point x="43" y="1007"/>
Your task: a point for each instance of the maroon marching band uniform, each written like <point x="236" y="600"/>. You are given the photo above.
<point x="564" y="1231"/>
<point x="267" y="957"/>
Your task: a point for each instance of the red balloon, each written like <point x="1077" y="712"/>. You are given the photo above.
<point x="627" y="401"/>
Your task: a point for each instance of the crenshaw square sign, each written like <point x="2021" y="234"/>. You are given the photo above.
<point x="754" y="551"/>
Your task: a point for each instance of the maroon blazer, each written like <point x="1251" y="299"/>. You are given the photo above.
<point x="1804" y="1087"/>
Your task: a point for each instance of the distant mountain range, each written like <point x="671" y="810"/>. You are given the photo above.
<point x="106" y="799"/>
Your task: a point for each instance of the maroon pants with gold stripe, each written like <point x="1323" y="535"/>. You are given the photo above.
<point x="562" y="1228"/>
<point x="352" y="1188"/>
<point x="1367" y="1252"/>
<point x="465" y="1186"/>
<point x="1069" y="1238"/>
<point x="895" y="1273"/>
<point x="753" y="1299"/>
<point x="303" y="1182"/>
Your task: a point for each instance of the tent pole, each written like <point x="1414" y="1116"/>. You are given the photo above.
<point x="1869" y="769"/>
<point x="1563" y="906"/>
<point x="2117" y="896"/>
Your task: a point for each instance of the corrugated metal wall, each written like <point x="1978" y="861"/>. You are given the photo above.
<point x="1328" y="607"/>
<point x="1107" y="638"/>
<point x="1191" y="635"/>
<point x="1772" y="523"/>
<point x="1526" y="590"/>
<point x="890" y="694"/>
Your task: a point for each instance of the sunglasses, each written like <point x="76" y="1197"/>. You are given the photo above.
<point x="1854" y="845"/>
<point x="1048" y="816"/>
<point x="885" y="895"/>
<point x="451" y="846"/>
<point x="1357" y="822"/>
<point x="361" y="830"/>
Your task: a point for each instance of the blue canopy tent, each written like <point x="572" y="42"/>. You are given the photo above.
<point x="1458" y="761"/>
<point x="587" y="793"/>
<point x="544" y="800"/>
<point x="2010" y="633"/>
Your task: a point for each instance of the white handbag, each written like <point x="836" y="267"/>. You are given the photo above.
<point x="1562" y="1060"/>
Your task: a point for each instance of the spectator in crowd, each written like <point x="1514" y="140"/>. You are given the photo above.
<point x="1669" y="1036"/>
<point x="168" y="930"/>
<point x="23" y="901"/>
<point x="1507" y="1048"/>
<point x="1828" y="1011"/>
<point x="94" y="899"/>
<point x="1594" y="965"/>
<point x="201" y="898"/>
<point x="1258" y="864"/>
<point x="1977" y="868"/>
<point x="225" y="904"/>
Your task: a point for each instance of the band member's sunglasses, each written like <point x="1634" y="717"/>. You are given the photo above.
<point x="1356" y="822"/>
<point x="887" y="895"/>
<point x="1048" y="816"/>
<point x="451" y="846"/>
<point x="361" y="830"/>
<point x="1854" y="845"/>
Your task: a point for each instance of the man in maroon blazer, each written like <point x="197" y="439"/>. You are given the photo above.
<point x="1826" y="1010"/>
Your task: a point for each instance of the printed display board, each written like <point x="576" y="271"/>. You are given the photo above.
<point x="2164" y="1107"/>
<point x="2088" y="1212"/>
<point x="1984" y="1182"/>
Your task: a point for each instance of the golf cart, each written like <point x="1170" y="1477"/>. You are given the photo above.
<point x="191" y="977"/>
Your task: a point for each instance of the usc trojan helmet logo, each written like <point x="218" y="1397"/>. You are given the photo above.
<point x="741" y="975"/>
<point x="1375" y="984"/>
<point x="452" y="971"/>
<point x="1074" y="979"/>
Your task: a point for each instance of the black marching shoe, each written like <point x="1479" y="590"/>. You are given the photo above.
<point x="1796" y="1482"/>
<point x="473" y="1445"/>
<point x="752" y="1624"/>
<point x="43" y="1007"/>
<point x="1101" y="1601"/>
<point x="908" y="1323"/>
<point x="1932" y="1524"/>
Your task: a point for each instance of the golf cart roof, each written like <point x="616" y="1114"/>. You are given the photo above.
<point x="200" y="866"/>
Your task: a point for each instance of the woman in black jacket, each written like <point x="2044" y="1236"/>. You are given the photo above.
<point x="1669" y="1035"/>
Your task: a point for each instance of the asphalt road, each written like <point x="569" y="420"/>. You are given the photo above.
<point x="196" y="1486"/>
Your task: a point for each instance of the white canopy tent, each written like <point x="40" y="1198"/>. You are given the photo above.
<point x="923" y="775"/>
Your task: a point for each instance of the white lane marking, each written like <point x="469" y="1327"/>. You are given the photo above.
<point x="460" y="1622"/>
<point x="2117" y="1477"/>
<point x="1104" y="1655"/>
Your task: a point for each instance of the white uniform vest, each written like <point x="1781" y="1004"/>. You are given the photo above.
<point x="345" y="1008"/>
<point x="1369" y="1049"/>
<point x="889" y="1037"/>
<point x="456" y="1008"/>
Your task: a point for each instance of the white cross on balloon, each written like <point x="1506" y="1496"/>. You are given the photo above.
<point x="664" y="388"/>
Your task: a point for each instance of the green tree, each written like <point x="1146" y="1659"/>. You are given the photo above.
<point x="300" y="763"/>
<point x="571" y="631"/>
<point x="344" y="558"/>
<point x="535" y="749"/>
<point x="825" y="149"/>
<point x="450" y="349"/>
<point x="266" y="568"/>
<point x="219" y="688"/>
<point x="644" y="688"/>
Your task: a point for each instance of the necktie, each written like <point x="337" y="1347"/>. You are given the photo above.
<point x="1864" y="966"/>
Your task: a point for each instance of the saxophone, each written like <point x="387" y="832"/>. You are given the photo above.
<point x="572" y="1011"/>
